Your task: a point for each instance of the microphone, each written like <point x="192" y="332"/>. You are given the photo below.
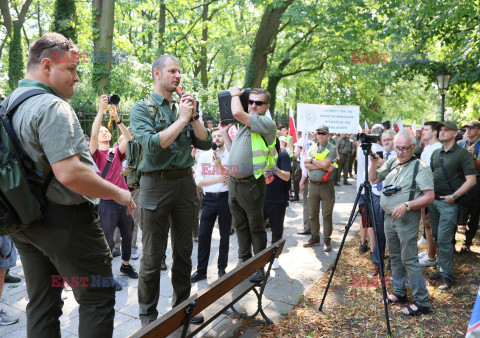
<point x="214" y="146"/>
<point x="179" y="91"/>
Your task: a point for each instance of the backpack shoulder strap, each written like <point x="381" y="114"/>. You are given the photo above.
<point x="414" y="182"/>
<point x="152" y="107"/>
<point x="23" y="97"/>
<point x="108" y="164"/>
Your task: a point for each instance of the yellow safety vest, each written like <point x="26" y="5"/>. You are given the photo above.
<point x="323" y="155"/>
<point x="263" y="157"/>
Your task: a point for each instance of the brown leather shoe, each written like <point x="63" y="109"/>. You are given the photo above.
<point x="312" y="242"/>
<point x="327" y="245"/>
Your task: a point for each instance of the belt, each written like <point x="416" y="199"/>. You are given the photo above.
<point x="318" y="182"/>
<point x="169" y="174"/>
<point x="244" y="179"/>
<point x="66" y="215"/>
<point x="216" y="194"/>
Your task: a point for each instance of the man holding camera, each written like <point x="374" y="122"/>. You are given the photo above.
<point x="252" y="153"/>
<point x="167" y="187"/>
<point x="408" y="187"/>
<point x="454" y="175"/>
<point x="319" y="162"/>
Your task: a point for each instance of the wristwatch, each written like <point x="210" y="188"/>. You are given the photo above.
<point x="407" y="206"/>
<point x="119" y="121"/>
<point x="196" y="117"/>
<point x="454" y="196"/>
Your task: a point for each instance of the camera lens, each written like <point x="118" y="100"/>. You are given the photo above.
<point x="113" y="99"/>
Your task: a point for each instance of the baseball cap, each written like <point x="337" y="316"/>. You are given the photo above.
<point x="473" y="124"/>
<point x="322" y="127"/>
<point x="449" y="124"/>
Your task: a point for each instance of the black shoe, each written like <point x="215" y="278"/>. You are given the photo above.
<point x="445" y="284"/>
<point x="129" y="271"/>
<point x="435" y="276"/>
<point x="221" y="272"/>
<point x="163" y="265"/>
<point x="232" y="231"/>
<point x="197" y="320"/>
<point x="304" y="232"/>
<point x="12" y="279"/>
<point x="363" y="248"/>
<point x="465" y="249"/>
<point x="116" y="253"/>
<point x="257" y="277"/>
<point x="118" y="287"/>
<point x="197" y="277"/>
<point x="346" y="183"/>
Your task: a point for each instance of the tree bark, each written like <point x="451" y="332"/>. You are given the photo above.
<point x="161" y="28"/>
<point x="103" y="21"/>
<point x="262" y="45"/>
<point x="203" y="48"/>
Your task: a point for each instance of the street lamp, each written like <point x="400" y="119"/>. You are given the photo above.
<point x="443" y="79"/>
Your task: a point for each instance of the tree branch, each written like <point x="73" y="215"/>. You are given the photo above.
<point x="7" y="18"/>
<point x="298" y="71"/>
<point x="204" y="4"/>
<point x="188" y="32"/>
<point x="171" y="14"/>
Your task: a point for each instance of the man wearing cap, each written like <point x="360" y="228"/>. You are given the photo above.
<point x="345" y="150"/>
<point x="319" y="161"/>
<point x="454" y="175"/>
<point x="472" y="144"/>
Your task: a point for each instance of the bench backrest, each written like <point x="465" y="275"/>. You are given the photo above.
<point x="173" y="319"/>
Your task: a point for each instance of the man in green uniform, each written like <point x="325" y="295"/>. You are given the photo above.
<point x="247" y="161"/>
<point x="345" y="151"/>
<point x="167" y="187"/>
<point x="413" y="181"/>
<point x="68" y="243"/>
<point x="319" y="161"/>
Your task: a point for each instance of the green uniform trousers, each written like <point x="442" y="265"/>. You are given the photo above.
<point x="443" y="220"/>
<point x="401" y="235"/>
<point x="245" y="198"/>
<point x="343" y="167"/>
<point x="324" y="193"/>
<point x="162" y="199"/>
<point x="77" y="252"/>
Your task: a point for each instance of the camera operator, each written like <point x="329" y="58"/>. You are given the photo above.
<point x="408" y="187"/>
<point x="454" y="175"/>
<point x="109" y="162"/>
<point x="472" y="144"/>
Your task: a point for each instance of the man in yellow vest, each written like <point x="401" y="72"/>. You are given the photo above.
<point x="251" y="154"/>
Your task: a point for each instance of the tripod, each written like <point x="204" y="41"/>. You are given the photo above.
<point x="366" y="185"/>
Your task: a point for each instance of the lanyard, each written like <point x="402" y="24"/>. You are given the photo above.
<point x="31" y="85"/>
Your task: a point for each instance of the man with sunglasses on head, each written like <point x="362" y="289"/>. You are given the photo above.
<point x="407" y="187"/>
<point x="68" y="242"/>
<point x="252" y="153"/>
<point x="319" y="161"/>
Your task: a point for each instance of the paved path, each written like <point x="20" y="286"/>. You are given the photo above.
<point x="299" y="269"/>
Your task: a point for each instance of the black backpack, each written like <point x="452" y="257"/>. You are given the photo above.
<point x="22" y="199"/>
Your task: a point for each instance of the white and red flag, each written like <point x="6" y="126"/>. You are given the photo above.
<point x="399" y="125"/>
<point x="413" y="128"/>
<point x="291" y="126"/>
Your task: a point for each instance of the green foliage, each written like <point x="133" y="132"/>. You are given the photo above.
<point x="15" y="57"/>
<point x="65" y="18"/>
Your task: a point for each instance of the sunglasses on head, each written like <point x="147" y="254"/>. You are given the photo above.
<point x="55" y="44"/>
<point x="322" y="133"/>
<point x="257" y="103"/>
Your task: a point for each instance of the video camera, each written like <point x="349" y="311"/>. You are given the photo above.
<point x="365" y="138"/>
<point x="460" y="134"/>
<point x="390" y="190"/>
<point x="225" y="105"/>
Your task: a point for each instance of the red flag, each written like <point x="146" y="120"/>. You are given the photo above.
<point x="399" y="125"/>
<point x="291" y="126"/>
<point x="413" y="128"/>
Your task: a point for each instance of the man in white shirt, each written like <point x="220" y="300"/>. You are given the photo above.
<point x="430" y="137"/>
<point x="212" y="176"/>
<point x="302" y="143"/>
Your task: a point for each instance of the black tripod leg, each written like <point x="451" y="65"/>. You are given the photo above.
<point x="371" y="213"/>
<point x="347" y="228"/>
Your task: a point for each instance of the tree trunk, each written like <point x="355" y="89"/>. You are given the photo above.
<point x="103" y="20"/>
<point x="161" y="28"/>
<point x="273" y="82"/>
<point x="15" y="56"/>
<point x="262" y="46"/>
<point x="203" y="48"/>
<point x="65" y="18"/>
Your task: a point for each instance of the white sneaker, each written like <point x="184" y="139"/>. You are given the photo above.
<point x="425" y="261"/>
<point x="6" y="319"/>
<point x="421" y="241"/>
<point x="134" y="255"/>
<point x="422" y="254"/>
<point x="275" y="264"/>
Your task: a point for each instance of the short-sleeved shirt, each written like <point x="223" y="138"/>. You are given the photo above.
<point x="428" y="151"/>
<point x="457" y="162"/>
<point x="397" y="175"/>
<point x="317" y="174"/>
<point x="277" y="190"/>
<point x="176" y="155"/>
<point x="48" y="131"/>
<point x="240" y="159"/>
<point x="114" y="172"/>
<point x="344" y="145"/>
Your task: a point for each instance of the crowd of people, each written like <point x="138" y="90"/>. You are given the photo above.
<point x="193" y="175"/>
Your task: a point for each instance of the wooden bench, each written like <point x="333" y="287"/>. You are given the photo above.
<point x="233" y="286"/>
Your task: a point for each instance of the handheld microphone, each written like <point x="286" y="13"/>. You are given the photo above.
<point x="179" y="91"/>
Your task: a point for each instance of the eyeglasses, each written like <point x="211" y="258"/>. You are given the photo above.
<point x="66" y="42"/>
<point x="257" y="103"/>
<point x="403" y="149"/>
<point x="321" y="133"/>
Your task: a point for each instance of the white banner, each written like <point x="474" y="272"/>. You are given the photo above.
<point x="338" y="119"/>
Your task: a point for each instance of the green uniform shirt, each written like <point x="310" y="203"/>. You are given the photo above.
<point x="344" y="145"/>
<point x="240" y="157"/>
<point x="48" y="131"/>
<point x="395" y="174"/>
<point x="457" y="162"/>
<point x="178" y="154"/>
<point x="317" y="174"/>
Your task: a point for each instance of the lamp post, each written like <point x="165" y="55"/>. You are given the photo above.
<point x="443" y="79"/>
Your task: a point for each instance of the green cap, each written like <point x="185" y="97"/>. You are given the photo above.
<point x="322" y="127"/>
<point x="449" y="124"/>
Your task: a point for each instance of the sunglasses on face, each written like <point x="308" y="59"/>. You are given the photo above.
<point x="257" y="103"/>
<point x="321" y="133"/>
